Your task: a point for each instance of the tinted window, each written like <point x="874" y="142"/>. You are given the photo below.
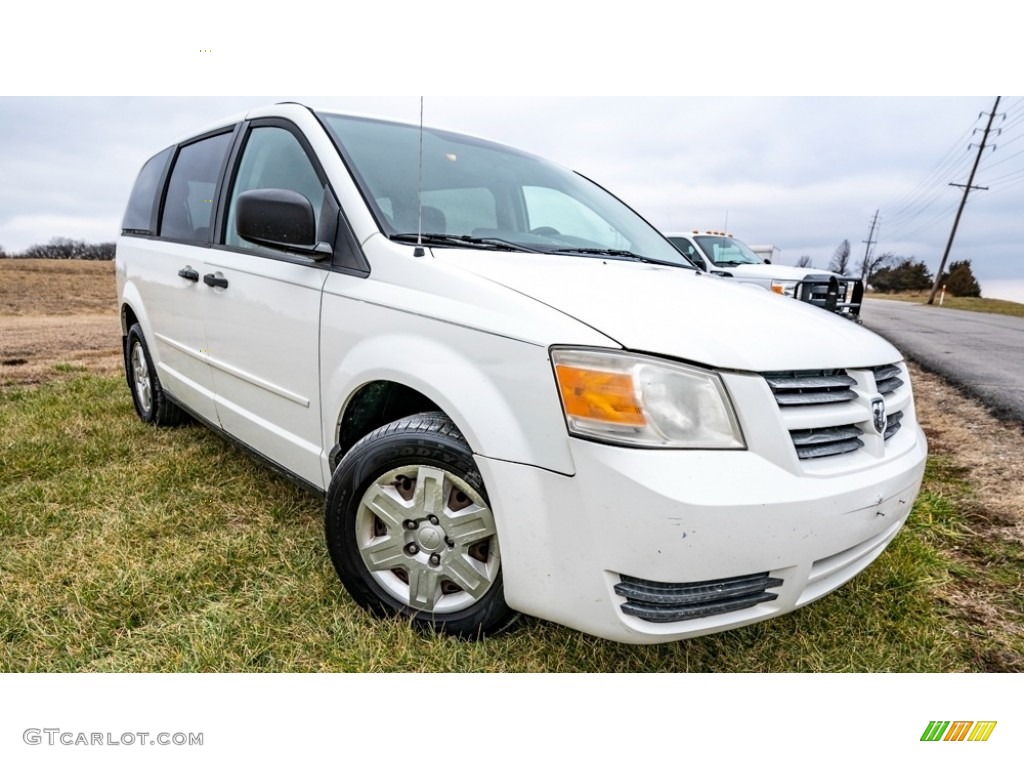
<point x="274" y="159"/>
<point x="141" y="213"/>
<point x="188" y="209"/>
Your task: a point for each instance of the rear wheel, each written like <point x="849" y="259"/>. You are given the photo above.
<point x="411" y="532"/>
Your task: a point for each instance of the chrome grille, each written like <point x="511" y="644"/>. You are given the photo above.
<point x="827" y="412"/>
<point x="827" y="441"/>
<point x="662" y="602"/>
<point x="811" y="387"/>
<point x="892" y="424"/>
<point x="887" y="378"/>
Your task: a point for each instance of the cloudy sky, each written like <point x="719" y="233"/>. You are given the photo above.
<point x="801" y="173"/>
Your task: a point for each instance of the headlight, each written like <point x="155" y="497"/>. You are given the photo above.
<point x="628" y="399"/>
<point x="784" y="287"/>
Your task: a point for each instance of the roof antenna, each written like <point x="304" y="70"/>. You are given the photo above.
<point x="419" y="252"/>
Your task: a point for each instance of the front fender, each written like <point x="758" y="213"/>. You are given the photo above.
<point x="503" y="399"/>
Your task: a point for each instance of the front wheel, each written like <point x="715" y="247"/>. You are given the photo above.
<point x="410" y="530"/>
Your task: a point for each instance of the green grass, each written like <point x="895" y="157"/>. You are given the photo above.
<point x="992" y="306"/>
<point x="128" y="548"/>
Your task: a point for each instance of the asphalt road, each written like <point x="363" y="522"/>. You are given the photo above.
<point x="980" y="353"/>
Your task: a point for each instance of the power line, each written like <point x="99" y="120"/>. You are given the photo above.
<point x="904" y="235"/>
<point x="967" y="189"/>
<point x="949" y="156"/>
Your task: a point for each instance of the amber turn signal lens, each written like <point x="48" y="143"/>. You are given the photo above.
<point x="599" y="395"/>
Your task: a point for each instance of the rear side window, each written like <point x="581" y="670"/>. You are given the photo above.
<point x="140" y="217"/>
<point x="188" y="207"/>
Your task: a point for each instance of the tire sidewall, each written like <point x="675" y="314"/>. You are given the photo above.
<point x="135" y="338"/>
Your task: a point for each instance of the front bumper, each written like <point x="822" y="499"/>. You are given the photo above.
<point x="675" y="518"/>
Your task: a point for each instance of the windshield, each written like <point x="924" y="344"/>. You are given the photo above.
<point x="725" y="251"/>
<point x="484" y="195"/>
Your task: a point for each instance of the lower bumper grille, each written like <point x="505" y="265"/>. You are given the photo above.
<point x="662" y="602"/>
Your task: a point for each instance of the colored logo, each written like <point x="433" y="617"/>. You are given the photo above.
<point x="959" y="730"/>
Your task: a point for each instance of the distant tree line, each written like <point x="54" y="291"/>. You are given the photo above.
<point x="889" y="273"/>
<point x="908" y="274"/>
<point x="64" y="248"/>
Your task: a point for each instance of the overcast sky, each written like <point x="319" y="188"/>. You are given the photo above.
<point x="799" y="173"/>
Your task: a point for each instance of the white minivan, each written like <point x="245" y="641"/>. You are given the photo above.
<point x="515" y="394"/>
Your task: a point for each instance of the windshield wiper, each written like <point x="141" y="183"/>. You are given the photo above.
<point x="619" y="254"/>
<point x="434" y="238"/>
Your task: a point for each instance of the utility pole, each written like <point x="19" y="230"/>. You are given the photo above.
<point x="967" y="188"/>
<point x="867" y="248"/>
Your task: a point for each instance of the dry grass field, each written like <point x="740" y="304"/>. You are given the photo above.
<point x="129" y="548"/>
<point x="56" y="318"/>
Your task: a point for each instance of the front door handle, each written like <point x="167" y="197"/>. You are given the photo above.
<point x="189" y="274"/>
<point x="215" y="282"/>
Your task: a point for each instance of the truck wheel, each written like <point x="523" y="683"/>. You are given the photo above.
<point x="410" y="530"/>
<point x="151" y="404"/>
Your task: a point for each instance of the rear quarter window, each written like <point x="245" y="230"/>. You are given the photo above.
<point x="140" y="217"/>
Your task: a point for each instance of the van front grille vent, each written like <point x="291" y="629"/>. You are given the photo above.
<point x="792" y="388"/>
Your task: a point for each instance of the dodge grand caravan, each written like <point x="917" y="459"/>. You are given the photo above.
<point x="514" y="393"/>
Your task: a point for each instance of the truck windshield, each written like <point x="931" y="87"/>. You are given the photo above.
<point x="483" y="195"/>
<point x="724" y="251"/>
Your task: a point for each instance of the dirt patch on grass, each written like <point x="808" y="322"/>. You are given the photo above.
<point x="35" y="349"/>
<point x="990" y="452"/>
<point x="56" y="318"/>
<point x="983" y="470"/>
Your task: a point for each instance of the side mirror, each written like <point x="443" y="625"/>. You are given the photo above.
<point x="767" y="261"/>
<point x="279" y="218"/>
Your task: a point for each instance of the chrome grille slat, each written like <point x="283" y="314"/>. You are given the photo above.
<point x="819" y="436"/>
<point x="829" y="449"/>
<point x="813" y="398"/>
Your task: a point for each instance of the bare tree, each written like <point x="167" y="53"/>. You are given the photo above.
<point x="871" y="264"/>
<point x="804" y="261"/>
<point x="840" y="263"/>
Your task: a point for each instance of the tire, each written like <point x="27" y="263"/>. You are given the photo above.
<point x="410" y="530"/>
<point x="148" y="396"/>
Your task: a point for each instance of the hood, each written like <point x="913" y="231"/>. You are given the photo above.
<point x="682" y="313"/>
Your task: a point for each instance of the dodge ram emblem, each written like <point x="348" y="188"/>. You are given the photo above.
<point x="878" y="415"/>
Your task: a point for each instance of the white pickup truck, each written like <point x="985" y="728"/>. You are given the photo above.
<point x="720" y="254"/>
